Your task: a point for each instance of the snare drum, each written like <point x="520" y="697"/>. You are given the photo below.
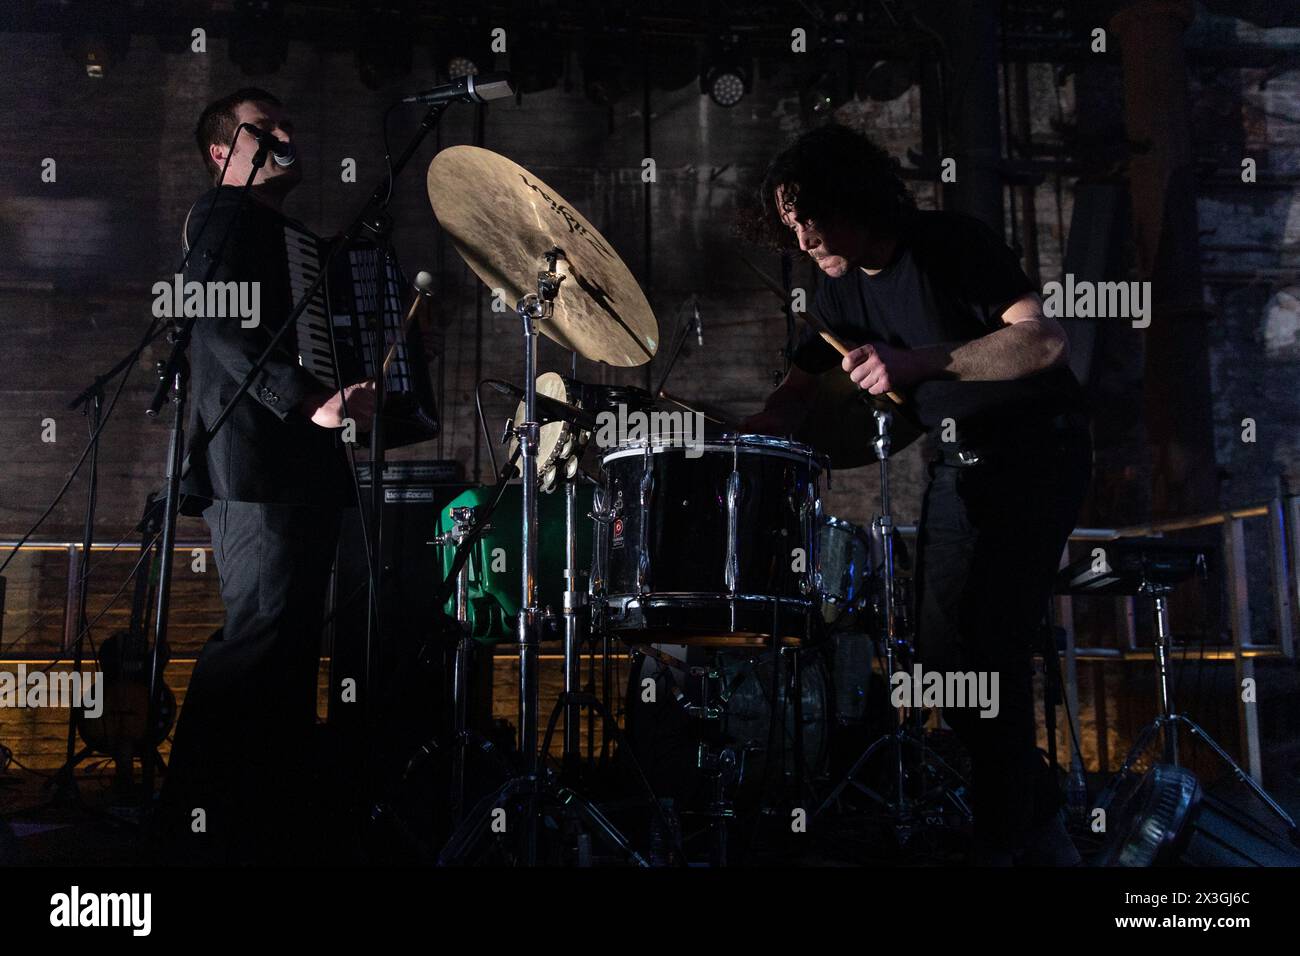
<point x="715" y="542"/>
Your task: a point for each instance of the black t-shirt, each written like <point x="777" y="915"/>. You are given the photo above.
<point x="949" y="281"/>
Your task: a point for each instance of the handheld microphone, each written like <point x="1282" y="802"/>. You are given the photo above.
<point x="467" y="89"/>
<point x="283" y="153"/>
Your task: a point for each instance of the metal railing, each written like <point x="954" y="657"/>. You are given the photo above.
<point x="1282" y="514"/>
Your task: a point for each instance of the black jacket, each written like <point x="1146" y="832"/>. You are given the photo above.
<point x="266" y="451"/>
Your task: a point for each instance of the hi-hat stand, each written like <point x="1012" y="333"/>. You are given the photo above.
<point x="905" y="811"/>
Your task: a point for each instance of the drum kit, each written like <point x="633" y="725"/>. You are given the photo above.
<point x="749" y="615"/>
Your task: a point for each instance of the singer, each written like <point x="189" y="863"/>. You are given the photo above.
<point x="271" y="486"/>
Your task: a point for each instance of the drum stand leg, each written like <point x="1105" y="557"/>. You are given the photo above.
<point x="572" y="631"/>
<point x="718" y="764"/>
<point x="903" y="810"/>
<point x="1168" y="720"/>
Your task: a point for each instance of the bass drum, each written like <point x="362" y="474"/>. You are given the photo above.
<point x="664" y="733"/>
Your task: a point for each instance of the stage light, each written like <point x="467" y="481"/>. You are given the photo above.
<point x="383" y="43"/>
<point x="259" y="42"/>
<point x="100" y="43"/>
<point x="724" y="78"/>
<point x="1164" y="818"/>
<point x="725" y="86"/>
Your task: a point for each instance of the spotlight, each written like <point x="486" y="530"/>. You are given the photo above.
<point x="100" y="44"/>
<point x="259" y="42"/>
<point x="383" y="43"/>
<point x="96" y="52"/>
<point x="725" y="86"/>
<point x="725" y="78"/>
<point x="1165" y="818"/>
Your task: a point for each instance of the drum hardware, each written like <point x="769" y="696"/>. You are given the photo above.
<point x="1152" y="568"/>
<point x="603" y="315"/>
<point x="464" y="520"/>
<point x="715" y="760"/>
<point x="905" y="812"/>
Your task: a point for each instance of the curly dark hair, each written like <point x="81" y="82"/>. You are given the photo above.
<point x="217" y="122"/>
<point x="830" y="171"/>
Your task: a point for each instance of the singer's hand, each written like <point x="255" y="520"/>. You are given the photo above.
<point x="327" y="410"/>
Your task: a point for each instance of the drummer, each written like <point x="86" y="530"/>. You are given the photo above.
<point x="942" y="314"/>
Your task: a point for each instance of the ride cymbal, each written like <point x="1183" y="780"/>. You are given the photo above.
<point x="503" y="220"/>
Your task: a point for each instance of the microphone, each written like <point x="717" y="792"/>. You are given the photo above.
<point x="283" y="153"/>
<point x="424" y="282"/>
<point x="467" y="89"/>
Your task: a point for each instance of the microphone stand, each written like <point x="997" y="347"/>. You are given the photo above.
<point x="65" y="781"/>
<point x="173" y="377"/>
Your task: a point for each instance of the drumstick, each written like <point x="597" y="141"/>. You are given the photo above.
<point x="422" y="282"/>
<point x="838" y="346"/>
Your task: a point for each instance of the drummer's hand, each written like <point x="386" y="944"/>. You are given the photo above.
<point x="881" y="368"/>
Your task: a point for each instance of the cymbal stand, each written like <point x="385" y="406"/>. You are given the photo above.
<point x="533" y="785"/>
<point x="573" y="630"/>
<point x="904" y="811"/>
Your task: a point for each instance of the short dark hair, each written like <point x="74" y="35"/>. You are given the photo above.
<point x="217" y="121"/>
<point x="830" y="171"/>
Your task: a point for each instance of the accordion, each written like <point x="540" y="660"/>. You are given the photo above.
<point x="334" y="330"/>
